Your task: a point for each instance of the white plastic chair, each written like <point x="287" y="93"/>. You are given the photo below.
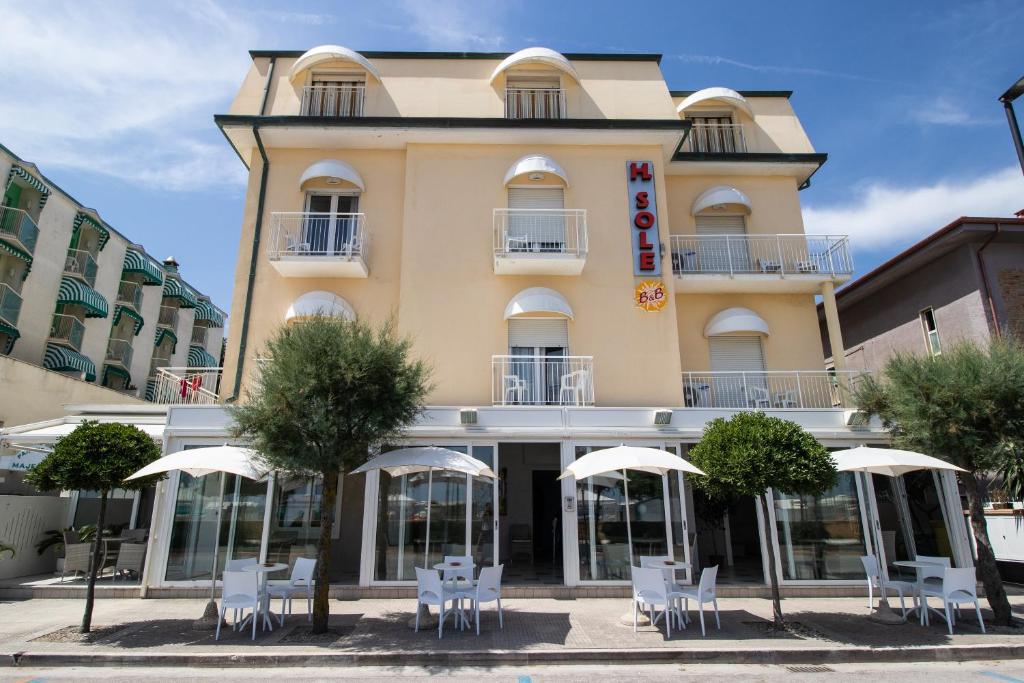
<point x="513" y="389"/>
<point x="237" y="566"/>
<point x="876" y="580"/>
<point x="301" y="581"/>
<point x="430" y="591"/>
<point x="240" y="591"/>
<point x="573" y="385"/>
<point x="650" y="591"/>
<point x="488" y="589"/>
<point x="701" y="593"/>
<point x="958" y="586"/>
<point x="759" y="397"/>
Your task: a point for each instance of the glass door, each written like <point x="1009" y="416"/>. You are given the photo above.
<point x="329" y="227"/>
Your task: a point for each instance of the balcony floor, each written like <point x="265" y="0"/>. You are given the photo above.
<point x="321" y="266"/>
<point x="539" y="264"/>
<point x="755" y="283"/>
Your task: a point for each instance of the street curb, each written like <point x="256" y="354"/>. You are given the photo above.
<point x="842" y="655"/>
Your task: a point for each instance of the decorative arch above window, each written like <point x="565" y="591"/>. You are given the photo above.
<point x="719" y="95"/>
<point x="735" y="321"/>
<point x="535" y="163"/>
<point x="536" y="55"/>
<point x="331" y="53"/>
<point x="319" y="303"/>
<point x="721" y="196"/>
<point x="331" y="169"/>
<point x="538" y="302"/>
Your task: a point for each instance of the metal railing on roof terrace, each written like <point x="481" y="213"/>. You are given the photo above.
<point x="793" y="254"/>
<point x="335" y="101"/>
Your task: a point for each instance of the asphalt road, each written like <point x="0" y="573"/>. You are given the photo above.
<point x="1011" y="671"/>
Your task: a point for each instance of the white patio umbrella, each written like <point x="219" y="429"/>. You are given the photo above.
<point x="889" y="462"/>
<point x="426" y="459"/>
<point x="651" y="460"/>
<point x="200" y="462"/>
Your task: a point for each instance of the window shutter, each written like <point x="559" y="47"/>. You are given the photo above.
<point x="721" y="225"/>
<point x="535" y="198"/>
<point x="543" y="332"/>
<point x="736" y="354"/>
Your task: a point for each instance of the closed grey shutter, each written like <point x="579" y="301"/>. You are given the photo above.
<point x="736" y="354"/>
<point x="535" y="198"/>
<point x="542" y="332"/>
<point x="721" y="254"/>
<point x="538" y="231"/>
<point x="721" y="225"/>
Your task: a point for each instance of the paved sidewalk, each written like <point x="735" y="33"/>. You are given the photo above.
<point x="538" y="630"/>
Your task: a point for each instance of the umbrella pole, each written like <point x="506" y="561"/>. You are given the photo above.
<point x="426" y="543"/>
<point x="629" y="531"/>
<point x="211" y="615"/>
<point x="883" y="613"/>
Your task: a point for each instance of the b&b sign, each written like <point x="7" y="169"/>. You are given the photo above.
<point x="643" y="218"/>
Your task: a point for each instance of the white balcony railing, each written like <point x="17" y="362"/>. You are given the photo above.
<point x="194" y="386"/>
<point x="81" y="264"/>
<point x="339" y="101"/>
<point x="534" y="103"/>
<point x="769" y="390"/>
<point x="10" y="304"/>
<point x="793" y="254"/>
<point x="716" y="138"/>
<point x="168" y="317"/>
<point x="119" y="351"/>
<point x="67" y="330"/>
<point x="311" y="244"/>
<point x="540" y="241"/>
<point x="18" y="226"/>
<point x="542" y="380"/>
<point x="130" y="294"/>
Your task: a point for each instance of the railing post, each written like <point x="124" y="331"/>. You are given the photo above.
<point x="782" y="261"/>
<point x="728" y="254"/>
<point x="746" y="391"/>
<point x="831" y="264"/>
<point x="800" y="390"/>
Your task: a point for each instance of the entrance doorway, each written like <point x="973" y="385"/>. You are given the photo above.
<point x="729" y="537"/>
<point x="530" y="513"/>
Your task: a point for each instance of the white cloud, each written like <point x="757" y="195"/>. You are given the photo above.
<point x="127" y="90"/>
<point x="885" y="215"/>
<point x="944" y="112"/>
<point x="455" y="25"/>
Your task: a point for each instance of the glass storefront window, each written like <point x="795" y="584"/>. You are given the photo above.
<point x="647" y="514"/>
<point x="926" y="519"/>
<point x="821" y="537"/>
<point x="482" y="516"/>
<point x="294" y="519"/>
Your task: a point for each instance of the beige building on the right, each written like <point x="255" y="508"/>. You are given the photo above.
<point x="962" y="282"/>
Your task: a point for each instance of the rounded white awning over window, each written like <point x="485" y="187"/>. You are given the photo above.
<point x="319" y="302"/>
<point x="735" y="321"/>
<point x="332" y="168"/>
<point x="720" y="195"/>
<point x="536" y="163"/>
<point x="331" y="53"/>
<point x="538" y="301"/>
<point x="537" y="55"/>
<point x="724" y="95"/>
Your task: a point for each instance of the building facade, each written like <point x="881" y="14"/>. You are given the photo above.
<point x="586" y="258"/>
<point x="79" y="299"/>
<point x="965" y="282"/>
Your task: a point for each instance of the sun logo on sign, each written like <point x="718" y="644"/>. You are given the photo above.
<point x="651" y="295"/>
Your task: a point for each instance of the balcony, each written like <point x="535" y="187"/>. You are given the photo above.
<point x="759" y="263"/>
<point x="10" y="305"/>
<point x="168" y="317"/>
<point x="716" y="138"/>
<point x="188" y="386"/>
<point x="130" y="294"/>
<point x="542" y="380"/>
<point x="67" y="330"/>
<point x="119" y="352"/>
<point x="199" y="334"/>
<point x="534" y="103"/>
<point x="769" y="390"/>
<point x="540" y="241"/>
<point x="81" y="265"/>
<point x="156" y="363"/>
<point x="18" y="229"/>
<point x="318" y="244"/>
<point x="333" y="101"/>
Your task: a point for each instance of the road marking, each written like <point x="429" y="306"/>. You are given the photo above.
<point x="1001" y="677"/>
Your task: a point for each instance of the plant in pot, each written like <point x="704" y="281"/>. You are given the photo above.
<point x="999" y="499"/>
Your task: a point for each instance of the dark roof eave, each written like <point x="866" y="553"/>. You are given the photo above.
<point x="746" y="93"/>
<point x="401" y="54"/>
<point x="223" y="120"/>
<point x="769" y="157"/>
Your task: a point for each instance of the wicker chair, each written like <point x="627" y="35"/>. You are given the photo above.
<point x="76" y="559"/>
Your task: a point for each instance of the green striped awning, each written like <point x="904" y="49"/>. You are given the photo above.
<point x="109" y="370"/>
<point x="166" y="333"/>
<point x="151" y="390"/>
<point x="17" y="253"/>
<point x="120" y="310"/>
<point x="80" y="294"/>
<point x="83" y="217"/>
<point x="174" y="288"/>
<point x="136" y="261"/>
<point x="30" y="180"/>
<point x="63" y="359"/>
<point x="205" y="310"/>
<point x="12" y="336"/>
<point x="198" y="357"/>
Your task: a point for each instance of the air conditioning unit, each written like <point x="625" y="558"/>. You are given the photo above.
<point x="662" y="417"/>
<point x="467" y="416"/>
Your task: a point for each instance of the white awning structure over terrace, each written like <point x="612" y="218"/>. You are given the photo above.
<point x="717" y="94"/>
<point x="331" y="53"/>
<point x="536" y="55"/>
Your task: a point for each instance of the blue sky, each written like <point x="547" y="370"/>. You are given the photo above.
<point x="115" y="100"/>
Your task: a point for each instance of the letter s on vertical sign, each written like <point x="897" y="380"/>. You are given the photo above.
<point x="642" y="202"/>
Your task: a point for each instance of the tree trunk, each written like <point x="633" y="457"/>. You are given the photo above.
<point x="988" y="572"/>
<point x="321" y="601"/>
<point x="772" y="574"/>
<point x="94" y="565"/>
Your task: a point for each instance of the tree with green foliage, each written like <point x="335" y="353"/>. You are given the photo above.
<point x="751" y="452"/>
<point x="96" y="457"/>
<point x="967" y="408"/>
<point x="327" y="394"/>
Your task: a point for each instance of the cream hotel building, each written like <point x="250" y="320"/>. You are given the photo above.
<point x="587" y="258"/>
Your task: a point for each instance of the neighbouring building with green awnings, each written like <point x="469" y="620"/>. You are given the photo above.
<point x="137" y="261"/>
<point x="78" y="293"/>
<point x="83" y="217"/>
<point x="207" y="312"/>
<point x="63" y="359"/>
<point x="18" y="171"/>
<point x="120" y="310"/>
<point x="174" y="288"/>
<point x="166" y="333"/>
<point x="111" y="371"/>
<point x="198" y="357"/>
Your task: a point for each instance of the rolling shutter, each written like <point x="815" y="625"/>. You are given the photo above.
<point x="535" y="198"/>
<point x="542" y="332"/>
<point x="721" y="225"/>
<point x="736" y="354"/>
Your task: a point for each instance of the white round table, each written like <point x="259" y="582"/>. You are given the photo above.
<point x="916" y="564"/>
<point x="263" y="570"/>
<point x="455" y="566"/>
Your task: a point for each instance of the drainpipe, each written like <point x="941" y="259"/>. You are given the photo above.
<point x="257" y="230"/>
<point x="1007" y="98"/>
<point x="984" y="281"/>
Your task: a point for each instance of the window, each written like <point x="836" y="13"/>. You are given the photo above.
<point x="931" y="332"/>
<point x="536" y="220"/>
<point x="540" y="349"/>
<point x="334" y="95"/>
<point x="331" y="225"/>
<point x="534" y="97"/>
<point x="715" y="133"/>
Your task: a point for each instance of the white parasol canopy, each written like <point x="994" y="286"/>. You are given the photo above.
<point x="890" y="462"/>
<point x="202" y="461"/>
<point x="638" y="458"/>
<point x="425" y="459"/>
